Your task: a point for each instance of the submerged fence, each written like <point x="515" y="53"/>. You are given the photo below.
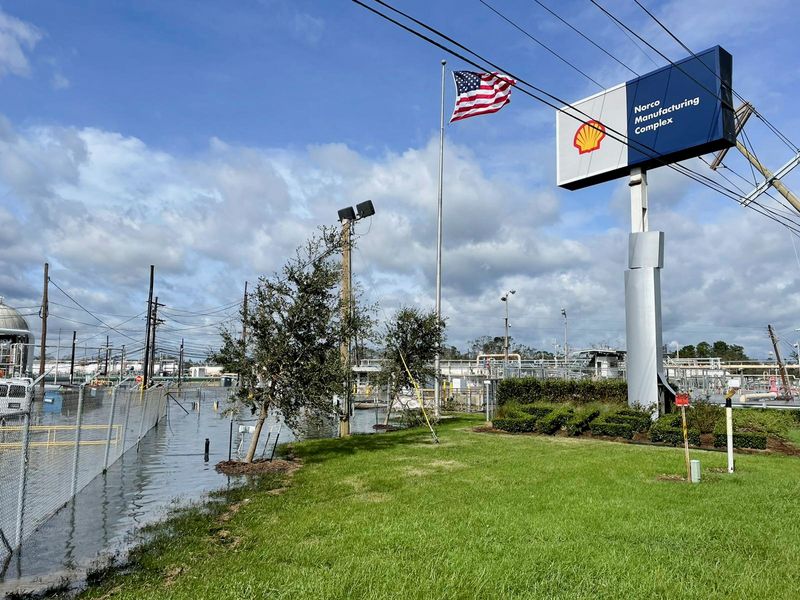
<point x="66" y="439"/>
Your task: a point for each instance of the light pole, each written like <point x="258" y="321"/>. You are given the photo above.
<point x="506" y="298"/>
<point x="566" y="347"/>
<point x="347" y="216"/>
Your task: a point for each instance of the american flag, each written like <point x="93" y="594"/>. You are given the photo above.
<point x="480" y="93"/>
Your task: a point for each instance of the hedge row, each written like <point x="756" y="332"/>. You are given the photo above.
<point x="550" y="419"/>
<point x="742" y="438"/>
<point x="526" y="390"/>
<point x="669" y="430"/>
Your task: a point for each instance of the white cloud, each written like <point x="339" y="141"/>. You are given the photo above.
<point x="16" y="38"/>
<point x="102" y="206"/>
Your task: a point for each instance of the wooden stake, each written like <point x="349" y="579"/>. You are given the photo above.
<point x="686" y="445"/>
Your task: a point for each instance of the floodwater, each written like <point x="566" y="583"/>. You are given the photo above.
<point x="167" y="470"/>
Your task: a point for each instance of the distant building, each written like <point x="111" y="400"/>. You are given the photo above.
<point x="16" y="342"/>
<point x="205" y="371"/>
<point x="600" y="364"/>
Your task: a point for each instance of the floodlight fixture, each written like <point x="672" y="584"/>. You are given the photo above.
<point x="365" y="209"/>
<point x="347" y="214"/>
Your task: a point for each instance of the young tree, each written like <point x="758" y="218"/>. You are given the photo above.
<point x="410" y="343"/>
<point x="290" y="359"/>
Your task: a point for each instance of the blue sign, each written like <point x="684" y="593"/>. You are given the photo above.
<point x="674" y="113"/>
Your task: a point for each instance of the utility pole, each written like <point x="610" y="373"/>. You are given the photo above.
<point x="506" y="298"/>
<point x="58" y="356"/>
<point x="43" y="314"/>
<point x="108" y="349"/>
<point x="155" y="323"/>
<point x="180" y="364"/>
<point x="781" y="369"/>
<point x="770" y="179"/>
<point x="145" y="365"/>
<point x="72" y="360"/>
<point x="566" y="347"/>
<point x="122" y="363"/>
<point x="344" y="349"/>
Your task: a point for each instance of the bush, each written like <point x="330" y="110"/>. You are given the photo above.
<point x="522" y="423"/>
<point x="742" y="439"/>
<point x="537" y="410"/>
<point x="638" y="419"/>
<point x="704" y="416"/>
<point x="669" y="430"/>
<point x="553" y="422"/>
<point x="602" y="426"/>
<point x="581" y="418"/>
<point x="526" y="390"/>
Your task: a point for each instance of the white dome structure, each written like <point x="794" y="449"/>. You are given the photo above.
<point x="16" y="342"/>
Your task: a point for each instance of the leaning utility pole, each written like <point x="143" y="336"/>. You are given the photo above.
<point x="781" y="368"/>
<point x="344" y="349"/>
<point x="145" y="364"/>
<point x="43" y="314"/>
<point x="770" y="179"/>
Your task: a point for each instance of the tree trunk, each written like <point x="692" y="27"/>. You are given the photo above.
<point x="388" y="410"/>
<point x="262" y="416"/>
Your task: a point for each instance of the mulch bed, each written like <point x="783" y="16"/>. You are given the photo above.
<point x="257" y="467"/>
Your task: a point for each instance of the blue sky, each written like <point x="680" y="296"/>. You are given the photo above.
<point x="210" y="138"/>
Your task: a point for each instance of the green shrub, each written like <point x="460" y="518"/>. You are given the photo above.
<point x="742" y="439"/>
<point x="526" y="390"/>
<point x="704" y="416"/>
<point x="538" y="410"/>
<point x="669" y="430"/>
<point x="553" y="422"/>
<point x="515" y="424"/>
<point x="581" y="418"/>
<point x="639" y="419"/>
<point x="602" y="426"/>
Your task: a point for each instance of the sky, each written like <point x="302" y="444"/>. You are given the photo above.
<point x="211" y="139"/>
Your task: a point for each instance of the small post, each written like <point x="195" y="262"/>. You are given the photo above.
<point x="110" y="427"/>
<point x="486" y="400"/>
<point x="686" y="444"/>
<point x="230" y="438"/>
<point x="695" y="471"/>
<point x="206" y="449"/>
<point x="23" y="475"/>
<point x="729" y="431"/>
<point x="78" y="423"/>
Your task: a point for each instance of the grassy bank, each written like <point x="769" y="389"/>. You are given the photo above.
<point x="487" y="516"/>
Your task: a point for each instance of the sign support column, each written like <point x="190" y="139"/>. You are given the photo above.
<point x="643" y="302"/>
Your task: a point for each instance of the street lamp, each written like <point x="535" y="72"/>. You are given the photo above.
<point x="347" y="216"/>
<point x="505" y="298"/>
<point x="566" y="347"/>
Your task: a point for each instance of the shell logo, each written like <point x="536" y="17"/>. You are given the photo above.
<point x="589" y="136"/>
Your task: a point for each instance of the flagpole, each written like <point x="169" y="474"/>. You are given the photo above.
<point x="437" y="388"/>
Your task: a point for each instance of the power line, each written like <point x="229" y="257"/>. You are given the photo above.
<point x="90" y="313"/>
<point x="587" y="38"/>
<point x="542" y="44"/>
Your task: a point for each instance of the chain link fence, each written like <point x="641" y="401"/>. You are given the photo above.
<point x="60" y="444"/>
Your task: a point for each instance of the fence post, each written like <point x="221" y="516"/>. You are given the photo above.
<point x="78" y="423"/>
<point x="125" y="423"/>
<point x="23" y="477"/>
<point x="144" y="414"/>
<point x="110" y="427"/>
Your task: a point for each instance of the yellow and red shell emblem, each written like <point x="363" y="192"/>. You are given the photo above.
<point x="589" y="136"/>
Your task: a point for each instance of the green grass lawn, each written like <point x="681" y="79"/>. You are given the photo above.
<point x="487" y="516"/>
